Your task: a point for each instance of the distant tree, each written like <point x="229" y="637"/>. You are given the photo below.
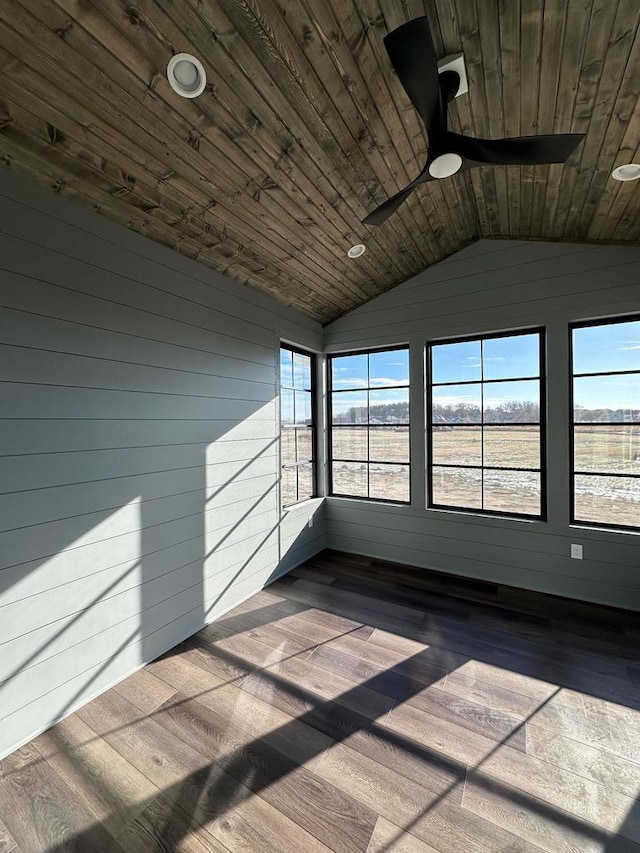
<point x="512" y="411"/>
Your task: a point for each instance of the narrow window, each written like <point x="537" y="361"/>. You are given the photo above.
<point x="606" y="423"/>
<point x="369" y="415"/>
<point x="297" y="425"/>
<point x="486" y="424"/>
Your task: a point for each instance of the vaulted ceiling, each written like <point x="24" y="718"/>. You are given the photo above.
<point x="304" y="128"/>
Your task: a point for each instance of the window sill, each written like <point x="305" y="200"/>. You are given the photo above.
<point x="586" y="527"/>
<point x="375" y="501"/>
<point x="485" y="516"/>
<point x="302" y="506"/>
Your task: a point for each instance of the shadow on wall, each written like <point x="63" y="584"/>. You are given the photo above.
<point x="179" y="531"/>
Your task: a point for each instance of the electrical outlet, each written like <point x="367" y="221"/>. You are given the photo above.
<point x="576" y="552"/>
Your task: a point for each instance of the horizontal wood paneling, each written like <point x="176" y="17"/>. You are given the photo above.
<point x="25" y="508"/>
<point x="492" y="287"/>
<point x="54" y="436"/>
<point x="47" y="470"/>
<point x="45" y="367"/>
<point x="480" y="531"/>
<point x="139" y="461"/>
<point x="88" y="339"/>
<point x="62" y="401"/>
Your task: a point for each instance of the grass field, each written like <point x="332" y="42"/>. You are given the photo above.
<point x="605" y="449"/>
<point x="611" y="450"/>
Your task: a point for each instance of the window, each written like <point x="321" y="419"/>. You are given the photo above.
<point x="297" y="425"/>
<point x="606" y="423"/>
<point x="369" y="414"/>
<point x="486" y="424"/>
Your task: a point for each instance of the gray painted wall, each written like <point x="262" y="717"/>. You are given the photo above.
<point x="494" y="286"/>
<point x="138" y="453"/>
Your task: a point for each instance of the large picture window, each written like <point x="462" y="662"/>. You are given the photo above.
<point x="606" y="423"/>
<point x="297" y="425"/>
<point x="369" y="412"/>
<point x="486" y="424"/>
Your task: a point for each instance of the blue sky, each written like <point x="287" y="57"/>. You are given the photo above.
<point x="601" y="348"/>
<point x="295" y="369"/>
<point x="613" y="347"/>
<point x="503" y="358"/>
<point x="390" y="368"/>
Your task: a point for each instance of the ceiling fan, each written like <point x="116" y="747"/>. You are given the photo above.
<point x="430" y="88"/>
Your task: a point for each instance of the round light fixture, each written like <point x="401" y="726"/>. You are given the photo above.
<point x="357" y="251"/>
<point x="629" y="172"/>
<point x="186" y="75"/>
<point x="445" y="165"/>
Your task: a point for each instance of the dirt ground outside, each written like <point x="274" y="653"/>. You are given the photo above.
<point x="607" y="449"/>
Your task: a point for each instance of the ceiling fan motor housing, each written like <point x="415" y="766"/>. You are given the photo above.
<point x="445" y="165"/>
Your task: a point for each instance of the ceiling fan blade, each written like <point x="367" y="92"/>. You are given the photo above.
<point x="413" y="56"/>
<point x="384" y="211"/>
<point x="517" y="150"/>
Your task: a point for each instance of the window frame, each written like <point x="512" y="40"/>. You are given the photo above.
<point x="542" y="424"/>
<point x="602" y="525"/>
<point x="371" y="350"/>
<point x="314" y="424"/>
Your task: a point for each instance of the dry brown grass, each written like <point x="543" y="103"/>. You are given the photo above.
<point x="607" y="500"/>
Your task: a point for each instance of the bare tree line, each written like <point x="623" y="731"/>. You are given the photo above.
<point x="512" y="411"/>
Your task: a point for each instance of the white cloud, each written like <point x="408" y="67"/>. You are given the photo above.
<point x="486" y="358"/>
<point x="349" y="381"/>
<point x="631" y="346"/>
<point x="382" y="380"/>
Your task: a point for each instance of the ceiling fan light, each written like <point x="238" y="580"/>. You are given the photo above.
<point x="357" y="251"/>
<point x="186" y="75"/>
<point x="445" y="165"/>
<point x="628" y="172"/>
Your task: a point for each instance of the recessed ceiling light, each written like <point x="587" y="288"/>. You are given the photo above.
<point x="357" y="251"/>
<point x="629" y="172"/>
<point x="186" y="75"/>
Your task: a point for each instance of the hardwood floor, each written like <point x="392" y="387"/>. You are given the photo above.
<point x="354" y="706"/>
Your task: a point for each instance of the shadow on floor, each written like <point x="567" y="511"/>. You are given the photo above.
<point x="232" y="768"/>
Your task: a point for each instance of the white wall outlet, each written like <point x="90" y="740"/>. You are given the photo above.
<point x="576" y="552"/>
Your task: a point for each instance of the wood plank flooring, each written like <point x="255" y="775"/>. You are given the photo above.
<point x="359" y="707"/>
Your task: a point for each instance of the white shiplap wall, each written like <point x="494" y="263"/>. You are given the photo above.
<point x="493" y="286"/>
<point x="138" y="452"/>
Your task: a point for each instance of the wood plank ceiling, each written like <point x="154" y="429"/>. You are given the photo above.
<point x="303" y="129"/>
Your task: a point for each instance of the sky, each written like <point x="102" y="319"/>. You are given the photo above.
<point x="381" y="369"/>
<point x="295" y="370"/>
<point x="613" y="347"/>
